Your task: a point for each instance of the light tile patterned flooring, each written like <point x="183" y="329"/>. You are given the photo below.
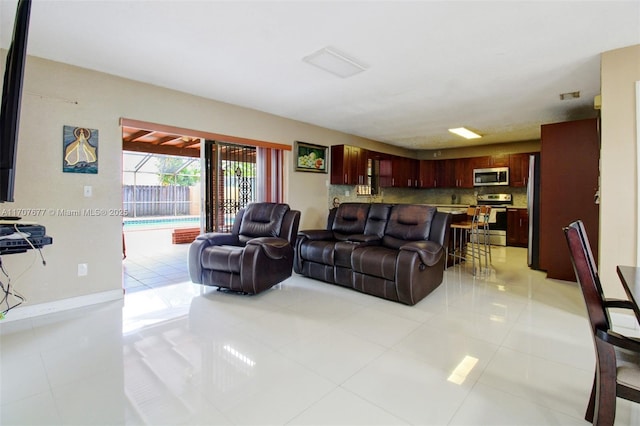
<point x="152" y="261"/>
<point x="509" y="348"/>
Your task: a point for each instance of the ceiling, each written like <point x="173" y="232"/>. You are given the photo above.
<point x="495" y="67"/>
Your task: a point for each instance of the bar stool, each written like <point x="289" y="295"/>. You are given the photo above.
<point x="479" y="239"/>
<point x="462" y="239"/>
<point x="471" y="239"/>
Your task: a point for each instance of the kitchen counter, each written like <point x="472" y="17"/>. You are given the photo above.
<point x="452" y="208"/>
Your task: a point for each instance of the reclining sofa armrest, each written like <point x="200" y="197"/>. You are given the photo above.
<point x="364" y="240"/>
<point x="290" y="223"/>
<point x="316" y="234"/>
<point x="218" y="239"/>
<point x="274" y="247"/>
<point x="429" y="252"/>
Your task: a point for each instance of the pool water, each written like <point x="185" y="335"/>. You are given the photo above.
<point x="139" y="223"/>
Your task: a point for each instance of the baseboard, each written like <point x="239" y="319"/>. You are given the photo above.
<point x="30" y="311"/>
<point x="628" y="322"/>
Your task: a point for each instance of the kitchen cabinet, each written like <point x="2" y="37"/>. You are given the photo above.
<point x="399" y="172"/>
<point x="464" y="172"/>
<point x="427" y="174"/>
<point x="517" y="227"/>
<point x="445" y="173"/>
<point x="497" y="160"/>
<point x="518" y="170"/>
<point x="404" y="172"/>
<point x="453" y="173"/>
<point x="348" y="165"/>
<point x="569" y="158"/>
<point x="385" y="174"/>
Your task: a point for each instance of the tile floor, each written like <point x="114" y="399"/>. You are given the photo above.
<point x="507" y="348"/>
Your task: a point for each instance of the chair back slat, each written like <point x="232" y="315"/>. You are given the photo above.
<point x="587" y="275"/>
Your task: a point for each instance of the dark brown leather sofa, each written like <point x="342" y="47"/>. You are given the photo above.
<point x="256" y="255"/>
<point x="397" y="252"/>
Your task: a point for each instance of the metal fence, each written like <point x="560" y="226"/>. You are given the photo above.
<point x="156" y="200"/>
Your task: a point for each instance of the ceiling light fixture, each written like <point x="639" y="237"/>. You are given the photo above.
<point x="465" y="133"/>
<point x="335" y="62"/>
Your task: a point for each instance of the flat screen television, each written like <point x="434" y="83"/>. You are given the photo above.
<point x="11" y="100"/>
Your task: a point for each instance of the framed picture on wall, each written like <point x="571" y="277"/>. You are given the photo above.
<point x="309" y="157"/>
<point x="79" y="150"/>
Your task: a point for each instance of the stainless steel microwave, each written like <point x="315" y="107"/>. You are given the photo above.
<point x="491" y="176"/>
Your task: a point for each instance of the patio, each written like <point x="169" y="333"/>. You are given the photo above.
<point x="152" y="260"/>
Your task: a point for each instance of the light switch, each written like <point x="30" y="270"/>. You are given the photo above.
<point x="88" y="191"/>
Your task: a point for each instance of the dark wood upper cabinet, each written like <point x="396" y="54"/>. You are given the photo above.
<point x="445" y="173"/>
<point x="518" y="169"/>
<point x="464" y="172"/>
<point x="348" y="165"/>
<point x="497" y="160"/>
<point x="399" y="172"/>
<point x="427" y="174"/>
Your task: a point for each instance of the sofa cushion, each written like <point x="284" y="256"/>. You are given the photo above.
<point x="262" y="220"/>
<point x="350" y="219"/>
<point x="317" y="251"/>
<point x="378" y="261"/>
<point x="377" y="219"/>
<point x="408" y="222"/>
<point x="342" y="253"/>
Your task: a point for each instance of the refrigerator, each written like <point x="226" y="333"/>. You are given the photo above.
<point x="533" y="209"/>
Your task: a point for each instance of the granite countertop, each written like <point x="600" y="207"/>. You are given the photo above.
<point x="452" y="208"/>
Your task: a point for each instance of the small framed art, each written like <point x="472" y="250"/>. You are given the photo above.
<point x="310" y="158"/>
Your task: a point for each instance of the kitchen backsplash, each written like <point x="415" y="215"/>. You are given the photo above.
<point x="448" y="196"/>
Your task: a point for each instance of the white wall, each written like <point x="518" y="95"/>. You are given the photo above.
<point x="56" y="95"/>
<point x="619" y="192"/>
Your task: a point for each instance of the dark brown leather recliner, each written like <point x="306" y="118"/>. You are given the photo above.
<point x="256" y="255"/>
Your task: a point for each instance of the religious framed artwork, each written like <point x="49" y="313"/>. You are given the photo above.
<point x="79" y="150"/>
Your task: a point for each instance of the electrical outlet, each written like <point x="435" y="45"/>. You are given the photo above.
<point x="83" y="269"/>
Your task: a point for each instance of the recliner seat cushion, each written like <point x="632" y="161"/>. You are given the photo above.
<point x="222" y="258"/>
<point x="318" y="252"/>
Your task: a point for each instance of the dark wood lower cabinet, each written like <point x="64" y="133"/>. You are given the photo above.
<point x="517" y="227"/>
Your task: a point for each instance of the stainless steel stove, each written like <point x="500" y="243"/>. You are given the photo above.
<point x="498" y="218"/>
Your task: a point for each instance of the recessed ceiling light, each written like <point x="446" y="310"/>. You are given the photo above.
<point x="465" y="133"/>
<point x="335" y="62"/>
<point x="569" y="95"/>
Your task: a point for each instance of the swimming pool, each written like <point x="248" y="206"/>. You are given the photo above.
<point x="159" y="222"/>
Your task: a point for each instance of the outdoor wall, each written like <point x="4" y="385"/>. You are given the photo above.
<point x="55" y="95"/>
<point x="620" y="70"/>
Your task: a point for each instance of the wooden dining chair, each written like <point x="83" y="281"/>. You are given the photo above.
<point x="617" y="372"/>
